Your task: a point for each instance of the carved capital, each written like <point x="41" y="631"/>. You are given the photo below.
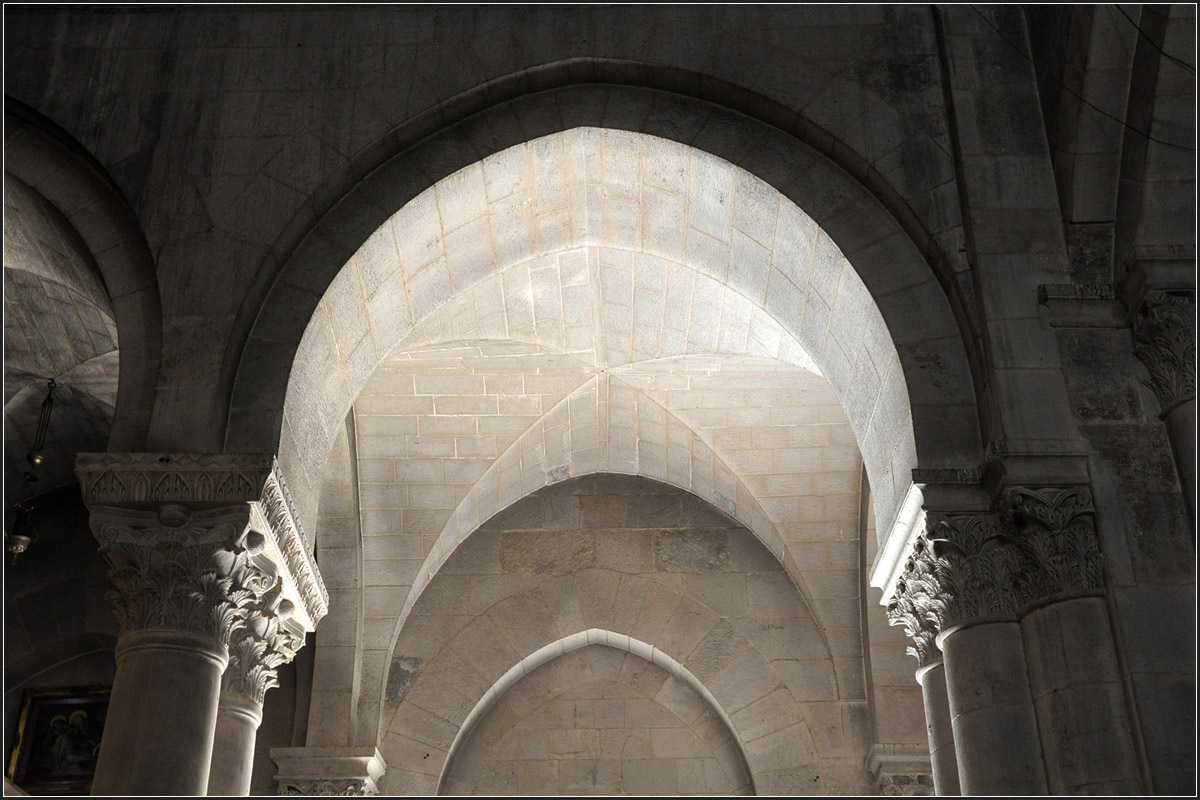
<point x="1055" y="533"/>
<point x="1164" y="340"/>
<point x="327" y="771"/>
<point x="328" y="788"/>
<point x="263" y="639"/>
<point x="253" y="483"/>
<point x="920" y="601"/>
<point x="901" y="769"/>
<point x="981" y="563"/>
<point x="914" y="785"/>
<point x="176" y="569"/>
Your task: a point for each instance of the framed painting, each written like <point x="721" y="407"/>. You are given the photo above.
<point x="58" y="740"/>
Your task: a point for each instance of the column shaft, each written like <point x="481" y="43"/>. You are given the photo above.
<point x="932" y="678"/>
<point x="159" y="732"/>
<point x="1085" y="730"/>
<point x="991" y="711"/>
<point x="238" y="718"/>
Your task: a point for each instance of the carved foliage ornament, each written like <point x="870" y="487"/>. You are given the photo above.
<point x="152" y="479"/>
<point x="259" y="644"/>
<point x="1041" y="545"/>
<point x="352" y="787"/>
<point x="123" y="478"/>
<point x="176" y="569"/>
<point x="277" y="508"/>
<point x="1164" y="340"/>
<point x="1057" y="541"/>
<point x="920" y="601"/>
<point x="906" y="785"/>
<point x="981" y="563"/>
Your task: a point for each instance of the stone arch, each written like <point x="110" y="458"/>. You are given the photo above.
<point x="52" y="164"/>
<point x="567" y="443"/>
<point x="569" y="644"/>
<point x="935" y="356"/>
<point x="1146" y="227"/>
<point x="445" y="663"/>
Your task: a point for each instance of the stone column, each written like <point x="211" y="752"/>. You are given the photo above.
<point x="919" y="604"/>
<point x="942" y="758"/>
<point x="1164" y="340"/>
<point x="1086" y="733"/>
<point x="195" y="544"/>
<point x="991" y="705"/>
<point x="176" y="584"/>
<point x="261" y="642"/>
<point x="353" y="771"/>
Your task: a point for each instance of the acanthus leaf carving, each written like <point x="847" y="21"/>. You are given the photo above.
<point x="916" y="785"/>
<point x="981" y="562"/>
<point x="920" y="601"/>
<point x="277" y="508"/>
<point x="1056" y="535"/>
<point x="260" y="643"/>
<point x="147" y="480"/>
<point x="174" y="569"/>
<point x="350" y="787"/>
<point x="1165" y="342"/>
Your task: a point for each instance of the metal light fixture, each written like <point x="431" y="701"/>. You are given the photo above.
<point x="21" y="537"/>
<point x="18" y="540"/>
<point x="36" y="456"/>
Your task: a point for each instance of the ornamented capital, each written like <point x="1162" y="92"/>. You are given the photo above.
<point x="176" y="569"/>
<point x="980" y="564"/>
<point x="901" y="769"/>
<point x="920" y="601"/>
<point x="1055" y="534"/>
<point x="350" y="787"/>
<point x="1164" y="340"/>
<point x="915" y="785"/>
<point x="327" y="771"/>
<point x="263" y="639"/>
<point x="204" y="482"/>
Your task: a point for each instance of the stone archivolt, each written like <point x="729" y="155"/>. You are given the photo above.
<point x="1164" y="340"/>
<point x="1040" y="544"/>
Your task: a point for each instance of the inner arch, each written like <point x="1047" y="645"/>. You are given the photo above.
<point x="579" y="437"/>
<point x="569" y="644"/>
<point x="625" y="193"/>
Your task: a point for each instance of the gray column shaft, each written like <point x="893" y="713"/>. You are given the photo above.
<point x="943" y="761"/>
<point x="238" y="718"/>
<point x="1087" y="739"/>
<point x="991" y="711"/>
<point x="162" y="714"/>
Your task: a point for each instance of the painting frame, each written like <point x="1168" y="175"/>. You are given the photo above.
<point x="58" y="738"/>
